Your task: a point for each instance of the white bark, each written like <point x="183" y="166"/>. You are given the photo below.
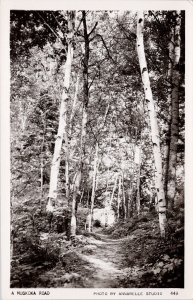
<point x="154" y="124"/>
<point x="83" y="131"/>
<point x="114" y="189"/>
<point x="42" y="157"/>
<point x="41" y="175"/>
<point x="67" y="165"/>
<point x="108" y="207"/>
<point x="81" y="197"/>
<point x="93" y="187"/>
<point x="171" y="187"/>
<point x="75" y="100"/>
<point x="62" y="125"/>
<point x="97" y="177"/>
<point x="125" y="210"/>
<point x="88" y="197"/>
<point x="108" y="173"/>
<point x="138" y="183"/>
<point x="76" y="185"/>
<point x="169" y="78"/>
<point x="118" y="198"/>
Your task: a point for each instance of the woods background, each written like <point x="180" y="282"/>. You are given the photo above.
<point x="97" y="148"/>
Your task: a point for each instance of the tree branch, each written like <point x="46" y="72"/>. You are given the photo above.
<point x="93" y="29"/>
<point x="92" y="80"/>
<point x="57" y="21"/>
<point x="104" y="44"/>
<point x="51" y="29"/>
<point x="76" y="31"/>
<point x="157" y="20"/>
<point x="132" y="34"/>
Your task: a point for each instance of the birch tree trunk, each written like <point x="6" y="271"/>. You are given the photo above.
<point x="113" y="192"/>
<point x="97" y="178"/>
<point x="84" y="121"/>
<point x="81" y="197"/>
<point x="76" y="185"/>
<point x="88" y="198"/>
<point x="118" y="199"/>
<point x="108" y="173"/>
<point x="125" y="210"/>
<point x="74" y="105"/>
<point x="85" y="80"/>
<point x="93" y="188"/>
<point x="62" y="118"/>
<point x="154" y="124"/>
<point x="67" y="165"/>
<point x="41" y="175"/>
<point x="108" y="206"/>
<point x="138" y="201"/>
<point x="171" y="186"/>
<point x="130" y="189"/>
<point x="169" y="77"/>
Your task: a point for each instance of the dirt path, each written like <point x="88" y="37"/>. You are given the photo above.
<point x="99" y="263"/>
<point x="106" y="261"/>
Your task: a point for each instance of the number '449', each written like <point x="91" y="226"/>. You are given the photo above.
<point x="174" y="293"/>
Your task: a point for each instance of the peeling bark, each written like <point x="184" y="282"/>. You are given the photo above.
<point x="118" y="199"/>
<point x="93" y="188"/>
<point x="84" y="117"/>
<point x="74" y="104"/>
<point x="67" y="185"/>
<point x="52" y="196"/>
<point x="76" y="185"/>
<point x="169" y="77"/>
<point x="125" y="210"/>
<point x="171" y="186"/>
<point x="138" y="201"/>
<point x="113" y="192"/>
<point x="154" y="125"/>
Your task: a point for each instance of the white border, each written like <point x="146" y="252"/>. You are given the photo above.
<point x="76" y="293"/>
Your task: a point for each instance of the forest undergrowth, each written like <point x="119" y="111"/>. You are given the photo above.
<point x="97" y="140"/>
<point x="128" y="254"/>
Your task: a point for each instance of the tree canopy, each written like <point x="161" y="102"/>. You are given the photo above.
<point x="83" y="68"/>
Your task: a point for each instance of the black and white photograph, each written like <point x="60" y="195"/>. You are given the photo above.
<point x="97" y="149"/>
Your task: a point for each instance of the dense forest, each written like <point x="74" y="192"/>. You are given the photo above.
<point x="97" y="148"/>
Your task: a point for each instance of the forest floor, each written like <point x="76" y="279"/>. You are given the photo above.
<point x="104" y="259"/>
<point x="107" y="261"/>
<point x="129" y="255"/>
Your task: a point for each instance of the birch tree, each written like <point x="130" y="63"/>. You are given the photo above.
<point x="85" y="61"/>
<point x="62" y="127"/>
<point x="114" y="189"/>
<point x="171" y="186"/>
<point x="138" y="201"/>
<point x="93" y="188"/>
<point x="118" y="198"/>
<point x="78" y="175"/>
<point x="154" y="124"/>
<point x="169" y="77"/>
<point x="125" y="208"/>
<point x="76" y="185"/>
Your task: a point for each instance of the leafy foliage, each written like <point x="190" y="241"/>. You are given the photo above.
<point x="118" y="121"/>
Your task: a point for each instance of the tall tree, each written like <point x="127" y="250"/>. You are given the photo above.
<point x="138" y="200"/>
<point x="93" y="187"/>
<point x="174" y="131"/>
<point x="169" y="77"/>
<point x="62" y="127"/>
<point x="76" y="186"/>
<point x="118" y="198"/>
<point x="154" y="124"/>
<point x="86" y="53"/>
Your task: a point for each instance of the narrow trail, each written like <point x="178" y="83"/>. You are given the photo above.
<point x="106" y="261"/>
<point x="100" y="263"/>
